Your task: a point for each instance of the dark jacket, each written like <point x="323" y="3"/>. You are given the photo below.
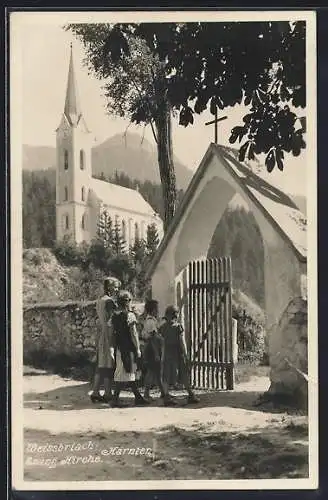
<point x="123" y="340"/>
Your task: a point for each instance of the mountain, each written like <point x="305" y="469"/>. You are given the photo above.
<point x="125" y="154"/>
<point x="118" y="153"/>
<point x="136" y="159"/>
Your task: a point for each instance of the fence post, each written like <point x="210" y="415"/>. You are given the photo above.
<point x="234" y="340"/>
<point x="234" y="347"/>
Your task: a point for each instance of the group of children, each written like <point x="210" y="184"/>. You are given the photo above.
<point x="119" y="354"/>
<point x="165" y="351"/>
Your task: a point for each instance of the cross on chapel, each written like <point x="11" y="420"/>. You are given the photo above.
<point x="216" y="121"/>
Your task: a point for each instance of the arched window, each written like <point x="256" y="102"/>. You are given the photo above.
<point x="124" y="229"/>
<point x="130" y="232"/>
<point x="82" y="159"/>
<point x="136" y="231"/>
<point x="66" y="221"/>
<point x="84" y="222"/>
<point x="66" y="194"/>
<point x="65" y="159"/>
<point x="143" y="229"/>
<point x="83" y="194"/>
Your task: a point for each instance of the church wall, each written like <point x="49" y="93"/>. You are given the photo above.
<point x="81" y="176"/>
<point x="131" y="219"/>
<point x="64" y="182"/>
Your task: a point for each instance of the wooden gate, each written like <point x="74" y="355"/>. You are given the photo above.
<point x="204" y="297"/>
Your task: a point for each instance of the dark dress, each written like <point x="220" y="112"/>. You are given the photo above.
<point x="173" y="336"/>
<point x="125" y="349"/>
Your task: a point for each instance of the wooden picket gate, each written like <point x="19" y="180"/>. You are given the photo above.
<point x="204" y="297"/>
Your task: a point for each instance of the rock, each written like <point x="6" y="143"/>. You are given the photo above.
<point x="288" y="353"/>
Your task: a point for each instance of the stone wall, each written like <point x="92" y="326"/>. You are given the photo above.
<point x="62" y="333"/>
<point x="66" y="329"/>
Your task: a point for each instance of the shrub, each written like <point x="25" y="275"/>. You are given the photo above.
<point x="251" y="332"/>
<point x="68" y="252"/>
<point x="84" y="284"/>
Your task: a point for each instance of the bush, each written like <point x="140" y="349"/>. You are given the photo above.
<point x="68" y="252"/>
<point x="251" y="332"/>
<point x="84" y="284"/>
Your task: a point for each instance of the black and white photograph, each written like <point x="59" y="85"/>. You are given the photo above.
<point x="163" y="250"/>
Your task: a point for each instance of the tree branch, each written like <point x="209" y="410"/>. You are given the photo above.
<point x="153" y="131"/>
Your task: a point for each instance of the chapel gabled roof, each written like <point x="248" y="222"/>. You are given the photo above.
<point x="277" y="207"/>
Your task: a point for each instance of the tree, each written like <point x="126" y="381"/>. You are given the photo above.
<point x="39" y="208"/>
<point x="105" y="230"/>
<point x="152" y="240"/>
<point x="138" y="260"/>
<point x="135" y="86"/>
<point x="154" y="69"/>
<point x="118" y="243"/>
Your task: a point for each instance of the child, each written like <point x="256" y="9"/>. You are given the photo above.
<point x="127" y="349"/>
<point x="175" y="352"/>
<point x="153" y="351"/>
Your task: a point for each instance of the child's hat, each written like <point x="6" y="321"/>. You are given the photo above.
<point x="124" y="297"/>
<point x="171" y="311"/>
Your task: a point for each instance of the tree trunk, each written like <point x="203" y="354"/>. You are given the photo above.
<point x="165" y="160"/>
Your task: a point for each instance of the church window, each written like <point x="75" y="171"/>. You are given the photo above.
<point x="66" y="194"/>
<point x="83" y="193"/>
<point x="136" y="231"/>
<point x="66" y="221"/>
<point x="66" y="159"/>
<point x="84" y="225"/>
<point x="82" y="159"/>
<point x="124" y="229"/>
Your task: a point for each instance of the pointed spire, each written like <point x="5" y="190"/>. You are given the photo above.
<point x="72" y="108"/>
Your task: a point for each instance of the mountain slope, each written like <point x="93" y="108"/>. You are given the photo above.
<point x="38" y="157"/>
<point x="137" y="160"/>
<point x="125" y="154"/>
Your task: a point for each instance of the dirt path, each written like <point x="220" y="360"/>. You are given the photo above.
<point x="222" y="437"/>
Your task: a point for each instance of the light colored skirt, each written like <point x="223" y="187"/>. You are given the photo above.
<point x="104" y="356"/>
<point x="120" y="374"/>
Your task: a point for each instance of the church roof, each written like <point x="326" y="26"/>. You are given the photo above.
<point x="277" y="207"/>
<point x="276" y="204"/>
<point x="121" y="197"/>
<point x="72" y="108"/>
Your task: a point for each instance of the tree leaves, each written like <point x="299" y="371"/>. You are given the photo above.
<point x="270" y="160"/>
<point x="186" y="116"/>
<point x="279" y="158"/>
<point x="236" y="133"/>
<point x="242" y="151"/>
<point x="196" y="64"/>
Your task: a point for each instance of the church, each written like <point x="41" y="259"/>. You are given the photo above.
<point x="82" y="199"/>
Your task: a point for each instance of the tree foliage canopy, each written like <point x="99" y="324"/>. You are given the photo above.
<point x="217" y="65"/>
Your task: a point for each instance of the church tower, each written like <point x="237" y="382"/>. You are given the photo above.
<point x="73" y="173"/>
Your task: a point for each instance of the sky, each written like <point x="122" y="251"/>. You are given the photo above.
<point x="44" y="50"/>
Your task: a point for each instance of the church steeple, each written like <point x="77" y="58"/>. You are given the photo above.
<point x="72" y="108"/>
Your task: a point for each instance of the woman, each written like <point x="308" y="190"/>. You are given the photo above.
<point x="127" y="349"/>
<point x="106" y="305"/>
